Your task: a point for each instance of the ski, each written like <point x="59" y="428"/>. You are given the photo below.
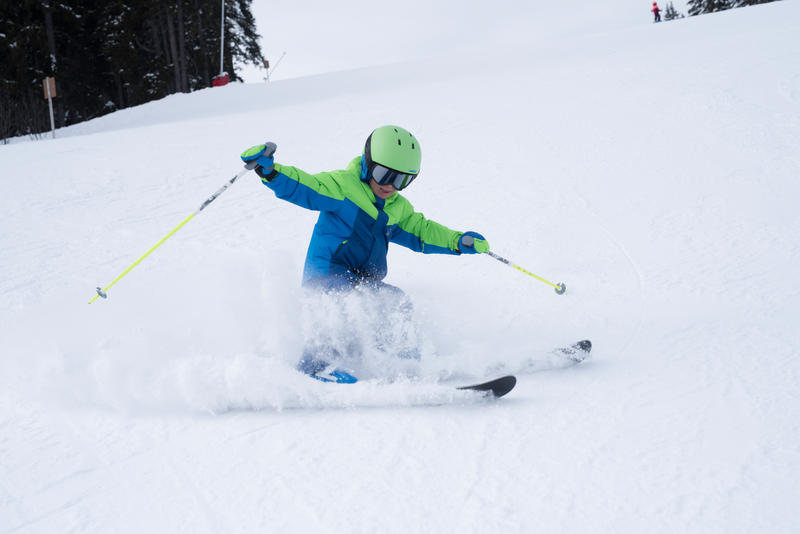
<point x="496" y="388"/>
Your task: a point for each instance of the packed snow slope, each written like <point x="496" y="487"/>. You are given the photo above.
<point x="362" y="33"/>
<point x="652" y="168"/>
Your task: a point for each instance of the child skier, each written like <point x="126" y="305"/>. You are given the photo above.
<point x="656" y="12"/>
<point x="361" y="211"/>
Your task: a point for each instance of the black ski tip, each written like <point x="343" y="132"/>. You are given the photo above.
<point x="585" y="345"/>
<point x="497" y="387"/>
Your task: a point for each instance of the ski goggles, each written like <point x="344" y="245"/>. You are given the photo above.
<point x="386" y="176"/>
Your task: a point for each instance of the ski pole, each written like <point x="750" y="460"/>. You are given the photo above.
<point x="560" y="288"/>
<point x="104" y="291"/>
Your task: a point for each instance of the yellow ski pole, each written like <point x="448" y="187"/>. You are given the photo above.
<point x="104" y="291"/>
<point x="560" y="288"/>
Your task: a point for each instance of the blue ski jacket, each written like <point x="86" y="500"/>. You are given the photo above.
<point x="352" y="235"/>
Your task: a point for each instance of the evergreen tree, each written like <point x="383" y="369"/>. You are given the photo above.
<point x="698" y="7"/>
<point x="742" y="3"/>
<point x="113" y="54"/>
<point x="670" y="13"/>
<point x="242" y="45"/>
<point x="24" y="49"/>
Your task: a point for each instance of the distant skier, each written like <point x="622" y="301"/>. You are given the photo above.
<point x="360" y="213"/>
<point x="656" y="12"/>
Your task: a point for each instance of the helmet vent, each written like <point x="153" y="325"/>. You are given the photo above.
<point x="399" y="143"/>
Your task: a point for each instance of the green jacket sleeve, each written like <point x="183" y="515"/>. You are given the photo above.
<point x="420" y="234"/>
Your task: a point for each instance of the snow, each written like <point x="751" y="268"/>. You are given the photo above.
<point x="364" y="34"/>
<point x="652" y="168"/>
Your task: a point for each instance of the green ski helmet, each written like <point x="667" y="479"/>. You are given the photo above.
<point x="391" y="156"/>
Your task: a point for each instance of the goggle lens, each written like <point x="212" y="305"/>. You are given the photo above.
<point x="385" y="176"/>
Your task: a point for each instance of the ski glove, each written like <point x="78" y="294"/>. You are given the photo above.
<point x="262" y="156"/>
<point x="472" y="243"/>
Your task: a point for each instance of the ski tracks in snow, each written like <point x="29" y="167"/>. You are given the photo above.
<point x="614" y="278"/>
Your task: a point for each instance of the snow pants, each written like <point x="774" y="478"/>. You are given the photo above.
<point x="383" y="314"/>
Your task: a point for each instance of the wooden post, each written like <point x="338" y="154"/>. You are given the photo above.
<point x="49" y="93"/>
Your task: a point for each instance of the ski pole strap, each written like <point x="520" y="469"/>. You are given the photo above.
<point x="560" y="288"/>
<point x="104" y="291"/>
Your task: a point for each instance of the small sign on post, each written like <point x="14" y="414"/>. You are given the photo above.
<point x="49" y="84"/>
